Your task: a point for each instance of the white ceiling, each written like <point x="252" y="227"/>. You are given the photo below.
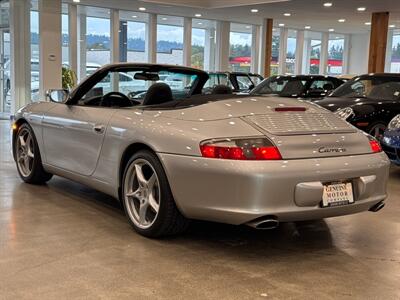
<point x="303" y="12"/>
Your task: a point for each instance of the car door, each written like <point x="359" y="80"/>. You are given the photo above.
<point x="73" y="136"/>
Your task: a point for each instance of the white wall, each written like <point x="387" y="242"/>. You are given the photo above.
<point x="358" y="53"/>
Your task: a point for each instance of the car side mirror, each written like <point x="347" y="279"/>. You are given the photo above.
<point x="58" y="96"/>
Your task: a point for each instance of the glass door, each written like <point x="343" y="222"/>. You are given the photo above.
<point x="5" y="64"/>
<point x="5" y="71"/>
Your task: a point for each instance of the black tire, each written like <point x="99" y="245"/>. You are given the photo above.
<point x="169" y="220"/>
<point x="38" y="175"/>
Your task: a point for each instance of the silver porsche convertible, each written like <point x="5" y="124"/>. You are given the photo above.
<point x="170" y="153"/>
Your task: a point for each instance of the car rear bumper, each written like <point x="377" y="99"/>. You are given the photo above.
<point x="238" y="192"/>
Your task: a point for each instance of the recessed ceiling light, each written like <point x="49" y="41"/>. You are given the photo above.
<point x="368" y="23"/>
<point x="392" y="26"/>
<point x="254" y="10"/>
<point x="142" y="8"/>
<point x="307" y="27"/>
<point x="287" y="14"/>
<point x="342" y="20"/>
<point x="331" y="30"/>
<point x="164" y="19"/>
<point x="199" y="23"/>
<point x="248" y="27"/>
<point x="281" y="25"/>
<point x="328" y="4"/>
<point x="361" y="9"/>
<point x="197" y="15"/>
<point x="77" y="1"/>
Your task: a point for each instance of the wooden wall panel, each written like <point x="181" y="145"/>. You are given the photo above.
<point x="268" y="47"/>
<point x="378" y="42"/>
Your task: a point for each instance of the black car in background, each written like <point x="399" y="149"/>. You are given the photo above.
<point x="369" y="102"/>
<point x="298" y="86"/>
<point x="239" y="82"/>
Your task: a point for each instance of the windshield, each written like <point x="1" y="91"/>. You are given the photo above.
<point x="135" y="84"/>
<point x="281" y="86"/>
<point x="375" y="88"/>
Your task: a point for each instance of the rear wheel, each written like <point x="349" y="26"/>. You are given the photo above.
<point x="147" y="198"/>
<point x="377" y="130"/>
<point x="27" y="154"/>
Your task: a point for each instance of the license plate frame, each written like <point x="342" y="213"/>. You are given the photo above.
<point x="340" y="193"/>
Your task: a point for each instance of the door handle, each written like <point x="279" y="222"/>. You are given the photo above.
<point x="99" y="128"/>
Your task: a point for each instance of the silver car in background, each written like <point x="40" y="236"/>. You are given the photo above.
<point x="173" y="154"/>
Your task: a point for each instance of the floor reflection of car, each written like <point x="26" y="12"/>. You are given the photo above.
<point x="369" y="102"/>
<point x="179" y="154"/>
<point x="310" y="87"/>
<point x="239" y="82"/>
<point x="391" y="140"/>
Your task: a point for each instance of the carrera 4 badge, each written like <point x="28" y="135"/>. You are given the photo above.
<point x="331" y="150"/>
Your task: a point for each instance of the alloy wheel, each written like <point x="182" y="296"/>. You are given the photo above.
<point x="377" y="131"/>
<point x="25" y="152"/>
<point x="142" y="193"/>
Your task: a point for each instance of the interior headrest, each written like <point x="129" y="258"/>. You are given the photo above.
<point x="158" y="93"/>
<point x="221" y="90"/>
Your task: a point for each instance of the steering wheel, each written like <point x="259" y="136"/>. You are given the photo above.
<point x="125" y="101"/>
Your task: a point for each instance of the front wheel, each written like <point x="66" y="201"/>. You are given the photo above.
<point x="27" y="156"/>
<point x="147" y="198"/>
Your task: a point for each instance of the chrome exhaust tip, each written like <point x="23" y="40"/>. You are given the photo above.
<point x="377" y="207"/>
<point x="264" y="223"/>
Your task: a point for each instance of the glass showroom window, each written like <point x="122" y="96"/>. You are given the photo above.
<point x="291" y="52"/>
<point x="65" y="35"/>
<point x="34" y="51"/>
<point x="98" y="41"/>
<point x="335" y="54"/>
<point x="5" y="58"/>
<point x="276" y="40"/>
<point x="203" y="44"/>
<point x="169" y="40"/>
<point x="312" y="52"/>
<point x="240" y="40"/>
<point x="395" y="56"/>
<point x="132" y="37"/>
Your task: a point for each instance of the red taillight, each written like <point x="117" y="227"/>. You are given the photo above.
<point x="375" y="146"/>
<point x="248" y="149"/>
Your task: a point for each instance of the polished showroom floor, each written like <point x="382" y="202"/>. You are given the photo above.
<point x="64" y="240"/>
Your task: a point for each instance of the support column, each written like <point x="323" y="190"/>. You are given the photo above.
<point x="255" y="48"/>
<point x="378" y="42"/>
<point x="306" y="56"/>
<point x="283" y="51"/>
<point x="209" y="50"/>
<point x="222" y="59"/>
<point x="187" y="41"/>
<point x="81" y="42"/>
<point x="151" y="40"/>
<point x="73" y="37"/>
<point x="123" y="41"/>
<point x="389" y="49"/>
<point x="266" y="47"/>
<point x="20" y="54"/>
<point x="299" y="52"/>
<point x="50" y="52"/>
<point x="114" y="24"/>
<point x="324" y="54"/>
<point x="346" y="50"/>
